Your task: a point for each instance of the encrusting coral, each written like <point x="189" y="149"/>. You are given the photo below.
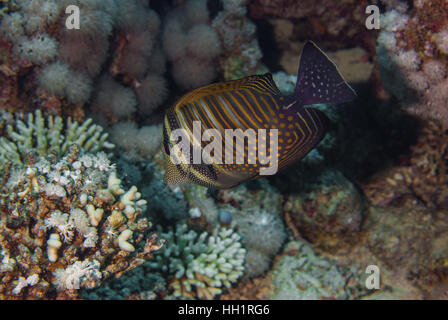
<point x="66" y="221"/>
<point x="241" y="53"/>
<point x="302" y="275"/>
<point x="327" y="214"/>
<point x="421" y="178"/>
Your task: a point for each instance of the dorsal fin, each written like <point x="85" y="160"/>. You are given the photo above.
<point x="262" y="83"/>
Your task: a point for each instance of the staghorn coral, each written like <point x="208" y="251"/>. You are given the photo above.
<point x="67" y="223"/>
<point x="199" y="265"/>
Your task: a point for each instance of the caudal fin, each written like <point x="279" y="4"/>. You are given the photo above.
<point x="319" y="79"/>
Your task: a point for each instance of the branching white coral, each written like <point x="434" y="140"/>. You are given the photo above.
<point x="95" y="212"/>
<point x="25" y="282"/>
<point x="200" y="264"/>
<point x="40" y="137"/>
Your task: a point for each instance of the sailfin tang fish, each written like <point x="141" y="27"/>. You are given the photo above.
<point x="279" y="129"/>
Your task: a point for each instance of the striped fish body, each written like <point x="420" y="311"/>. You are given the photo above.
<point x="252" y="107"/>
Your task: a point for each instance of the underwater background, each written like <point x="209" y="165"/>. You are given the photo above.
<point x="84" y="211"/>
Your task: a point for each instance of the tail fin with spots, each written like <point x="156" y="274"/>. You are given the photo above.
<point x="319" y="79"/>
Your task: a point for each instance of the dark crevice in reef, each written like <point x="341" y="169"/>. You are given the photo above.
<point x="267" y="43"/>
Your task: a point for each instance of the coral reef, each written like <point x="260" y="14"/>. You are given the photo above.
<point x="328" y="214"/>
<point x="168" y="203"/>
<point x="241" y="53"/>
<point x="114" y="99"/>
<point x="191" y="44"/>
<point x="38" y="137"/>
<point x="76" y="200"/>
<point x="337" y="23"/>
<point x="66" y="220"/>
<point x="411" y="56"/>
<point x="201" y="205"/>
<point x="302" y="275"/>
<point x="420" y="179"/>
<point x="256" y="214"/>
<point x="413" y="239"/>
<point x="118" y="40"/>
<point x="199" y="265"/>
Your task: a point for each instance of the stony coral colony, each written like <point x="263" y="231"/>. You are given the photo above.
<point x="77" y="201"/>
<point x="68" y="222"/>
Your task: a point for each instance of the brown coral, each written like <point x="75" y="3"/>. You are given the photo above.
<point x="326" y="215"/>
<point x="427" y="18"/>
<point x="57" y="238"/>
<point x="422" y="179"/>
